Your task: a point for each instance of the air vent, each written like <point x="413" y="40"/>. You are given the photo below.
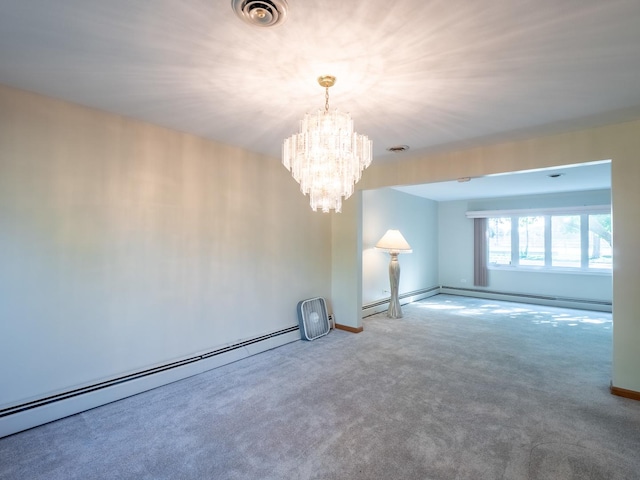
<point x="398" y="148"/>
<point x="262" y="13"/>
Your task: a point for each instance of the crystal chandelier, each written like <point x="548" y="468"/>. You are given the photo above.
<point x="327" y="157"/>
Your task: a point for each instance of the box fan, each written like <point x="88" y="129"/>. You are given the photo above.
<point x="313" y="318"/>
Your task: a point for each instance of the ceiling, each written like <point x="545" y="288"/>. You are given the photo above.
<point x="427" y="74"/>
<point x="588" y="176"/>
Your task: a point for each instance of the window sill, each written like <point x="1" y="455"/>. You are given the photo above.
<point x="560" y="270"/>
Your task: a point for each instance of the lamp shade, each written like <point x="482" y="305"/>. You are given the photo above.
<point x="393" y="241"/>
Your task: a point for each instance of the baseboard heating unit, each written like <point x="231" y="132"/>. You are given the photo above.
<point x="53" y="407"/>
<point x="549" y="300"/>
<point x="408" y="297"/>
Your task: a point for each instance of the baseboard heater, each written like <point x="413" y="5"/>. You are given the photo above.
<point x="137" y="375"/>
<point x="408" y="297"/>
<point x="599" y="305"/>
<point x="550" y="298"/>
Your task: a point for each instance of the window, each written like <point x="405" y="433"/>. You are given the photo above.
<point x="600" y="251"/>
<point x="499" y="240"/>
<point x="555" y="239"/>
<point x="566" y="246"/>
<point x="531" y="240"/>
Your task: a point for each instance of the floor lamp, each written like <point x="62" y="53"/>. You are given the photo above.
<point x="394" y="243"/>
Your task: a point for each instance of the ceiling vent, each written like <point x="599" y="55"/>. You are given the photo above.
<point x="398" y="148"/>
<point x="262" y="13"/>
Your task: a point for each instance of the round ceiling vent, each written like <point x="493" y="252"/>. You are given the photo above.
<point x="261" y="13"/>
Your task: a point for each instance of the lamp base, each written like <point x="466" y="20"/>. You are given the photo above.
<point x="395" y="311"/>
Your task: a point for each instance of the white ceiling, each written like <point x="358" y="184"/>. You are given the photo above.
<point x="591" y="176"/>
<point x="430" y="74"/>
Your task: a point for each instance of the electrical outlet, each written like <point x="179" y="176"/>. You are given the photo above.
<point x="463" y="280"/>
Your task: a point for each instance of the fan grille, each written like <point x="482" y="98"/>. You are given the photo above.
<point x="313" y="318"/>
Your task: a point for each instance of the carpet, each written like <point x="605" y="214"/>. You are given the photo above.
<point x="460" y="388"/>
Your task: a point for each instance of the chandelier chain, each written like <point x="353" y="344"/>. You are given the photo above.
<point x="326" y="99"/>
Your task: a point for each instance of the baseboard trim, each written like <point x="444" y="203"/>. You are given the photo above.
<point x="623" y="392"/>
<point x="346" y="328"/>
<point x="38" y="412"/>
<point x="381" y="305"/>
<point x="549" y="300"/>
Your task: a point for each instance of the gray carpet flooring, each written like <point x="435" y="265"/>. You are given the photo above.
<point x="460" y="388"/>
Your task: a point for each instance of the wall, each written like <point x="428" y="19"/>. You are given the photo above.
<point x="124" y="245"/>
<point x="417" y="220"/>
<point x="620" y="143"/>
<point x="346" y="241"/>
<point x="456" y="245"/>
<point x="455" y="237"/>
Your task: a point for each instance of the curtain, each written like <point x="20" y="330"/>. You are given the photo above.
<point x="480" y="247"/>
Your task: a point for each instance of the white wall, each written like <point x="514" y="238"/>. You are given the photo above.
<point x="417" y="220"/>
<point x="124" y="245"/>
<point x="456" y="247"/>
<point x="346" y="290"/>
<point x="455" y="237"/>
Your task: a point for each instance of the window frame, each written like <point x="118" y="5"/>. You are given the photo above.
<point x="583" y="212"/>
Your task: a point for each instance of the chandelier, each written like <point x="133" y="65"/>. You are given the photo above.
<point x="327" y="157"/>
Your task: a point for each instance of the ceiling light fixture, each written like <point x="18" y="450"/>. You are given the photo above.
<point x="327" y="157"/>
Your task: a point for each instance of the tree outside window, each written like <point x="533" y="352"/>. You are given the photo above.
<point x="600" y="241"/>
<point x="555" y="241"/>
<point x="499" y="240"/>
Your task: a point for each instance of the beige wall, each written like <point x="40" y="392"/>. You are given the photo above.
<point x="124" y="245"/>
<point x="620" y="143"/>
